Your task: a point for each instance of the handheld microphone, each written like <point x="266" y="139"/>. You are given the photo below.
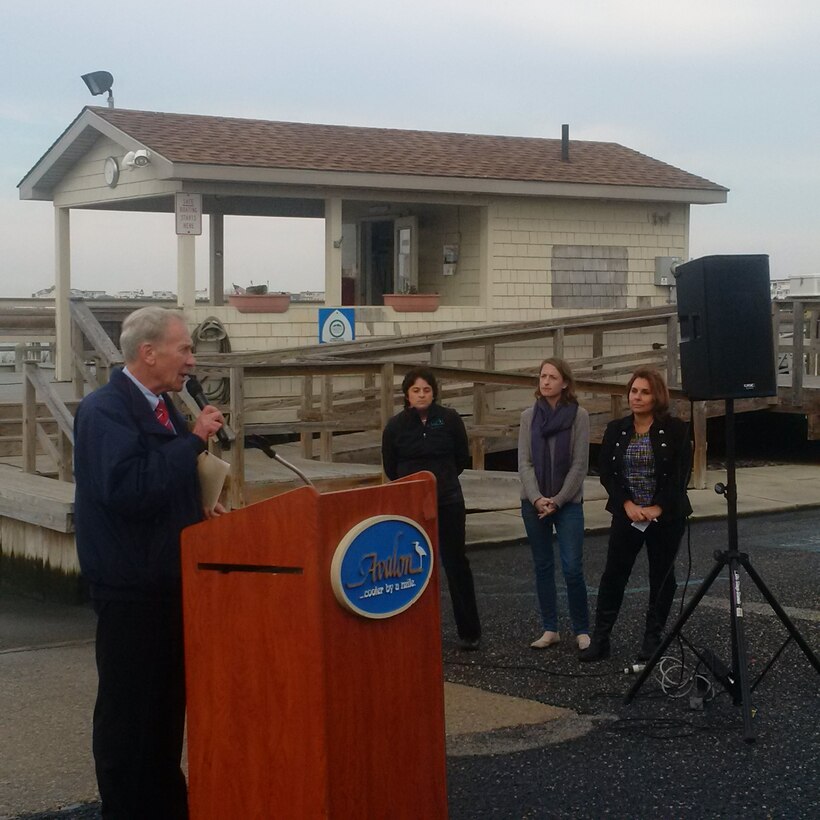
<point x="196" y="392"/>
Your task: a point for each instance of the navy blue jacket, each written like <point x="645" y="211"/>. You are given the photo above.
<point x="673" y="462"/>
<point x="136" y="489"/>
<point x="439" y="446"/>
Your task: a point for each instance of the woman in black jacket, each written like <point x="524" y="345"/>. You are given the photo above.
<point x="427" y="436"/>
<point x="644" y="466"/>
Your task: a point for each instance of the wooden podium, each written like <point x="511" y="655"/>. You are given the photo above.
<point x="297" y="707"/>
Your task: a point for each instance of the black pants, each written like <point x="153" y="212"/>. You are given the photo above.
<point x="662" y="540"/>
<point x="453" y="551"/>
<point x="139" y="717"/>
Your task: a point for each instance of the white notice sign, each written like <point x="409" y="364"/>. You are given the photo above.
<point x="189" y="214"/>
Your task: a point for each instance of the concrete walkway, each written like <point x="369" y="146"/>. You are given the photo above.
<point x="48" y="679"/>
<point x="760" y="490"/>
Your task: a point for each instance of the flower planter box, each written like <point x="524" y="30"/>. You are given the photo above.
<point x="412" y="302"/>
<point x="260" y="302"/>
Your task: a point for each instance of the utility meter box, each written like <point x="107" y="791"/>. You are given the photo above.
<point x="664" y="267"/>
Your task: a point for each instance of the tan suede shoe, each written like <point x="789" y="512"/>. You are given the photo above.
<point x="547" y="639"/>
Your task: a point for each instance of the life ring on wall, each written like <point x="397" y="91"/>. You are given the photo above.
<point x="210" y="336"/>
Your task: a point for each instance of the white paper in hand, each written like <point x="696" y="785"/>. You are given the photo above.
<point x="212" y="473"/>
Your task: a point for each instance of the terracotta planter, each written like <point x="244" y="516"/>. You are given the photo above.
<point x="260" y="302"/>
<point x="412" y="302"/>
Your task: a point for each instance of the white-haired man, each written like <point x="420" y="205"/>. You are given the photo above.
<point x="136" y="489"/>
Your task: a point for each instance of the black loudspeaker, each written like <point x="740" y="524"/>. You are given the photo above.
<point x="724" y="310"/>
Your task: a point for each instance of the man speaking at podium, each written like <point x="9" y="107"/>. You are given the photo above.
<point x="136" y="489"/>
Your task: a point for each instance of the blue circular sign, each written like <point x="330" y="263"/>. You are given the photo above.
<point x="382" y="566"/>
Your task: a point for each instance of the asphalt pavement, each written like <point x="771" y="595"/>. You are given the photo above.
<point x="530" y="734"/>
<point x="656" y="757"/>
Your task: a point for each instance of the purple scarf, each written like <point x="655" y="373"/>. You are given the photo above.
<point x="546" y="424"/>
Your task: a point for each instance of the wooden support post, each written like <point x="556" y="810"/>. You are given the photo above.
<point x="102" y="369"/>
<point x="29" y="423"/>
<point x="78" y="356"/>
<point x="814" y="338"/>
<point x="306" y="436"/>
<point x="478" y="445"/>
<point x="66" y="449"/>
<point x="333" y="251"/>
<point x="386" y="398"/>
<point x="798" y="365"/>
<point x="186" y="271"/>
<point x="326" y="436"/>
<point x="62" y="293"/>
<point x="672" y="351"/>
<point x="597" y="347"/>
<point x="49" y="448"/>
<point x="436" y="353"/>
<point x="699" y="459"/>
<point x="236" y="488"/>
<point x="489" y="357"/>
<point x="558" y="342"/>
<point x="616" y="405"/>
<point x="489" y="364"/>
<point x="216" y="259"/>
<point x="778" y="343"/>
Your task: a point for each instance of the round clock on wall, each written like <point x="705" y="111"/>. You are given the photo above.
<point x="112" y="172"/>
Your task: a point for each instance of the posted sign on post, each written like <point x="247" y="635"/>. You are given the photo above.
<point x="188" y="209"/>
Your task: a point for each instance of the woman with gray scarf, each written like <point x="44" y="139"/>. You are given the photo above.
<point x="553" y="457"/>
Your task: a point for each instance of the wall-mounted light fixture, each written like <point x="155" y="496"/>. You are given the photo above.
<point x="136" y="159"/>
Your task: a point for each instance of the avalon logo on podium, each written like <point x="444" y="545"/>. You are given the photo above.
<point x="381" y="566"/>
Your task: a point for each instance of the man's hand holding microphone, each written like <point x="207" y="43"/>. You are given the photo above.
<point x="208" y="423"/>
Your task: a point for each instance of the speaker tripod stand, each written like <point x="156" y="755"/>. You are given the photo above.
<point x="736" y="679"/>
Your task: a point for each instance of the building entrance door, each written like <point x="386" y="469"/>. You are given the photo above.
<point x="377" y="264"/>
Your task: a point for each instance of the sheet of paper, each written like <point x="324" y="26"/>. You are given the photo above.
<point x="212" y="473"/>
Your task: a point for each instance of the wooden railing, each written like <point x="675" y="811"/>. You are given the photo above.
<point x="371" y="405"/>
<point x="357" y="388"/>
<point x="104" y="354"/>
<point x="40" y="352"/>
<point x="33" y="431"/>
<point x="431" y="347"/>
<point x="796" y="324"/>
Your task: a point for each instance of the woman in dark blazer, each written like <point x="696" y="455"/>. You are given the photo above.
<point x="427" y="436"/>
<point x="644" y="465"/>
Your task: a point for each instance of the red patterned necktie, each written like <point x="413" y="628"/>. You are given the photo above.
<point x="161" y="412"/>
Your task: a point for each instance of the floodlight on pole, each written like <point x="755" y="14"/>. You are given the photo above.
<point x="99" y="82"/>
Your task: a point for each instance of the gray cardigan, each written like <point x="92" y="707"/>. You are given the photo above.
<point x="572" y="490"/>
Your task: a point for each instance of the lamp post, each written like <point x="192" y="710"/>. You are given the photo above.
<point x="99" y="82"/>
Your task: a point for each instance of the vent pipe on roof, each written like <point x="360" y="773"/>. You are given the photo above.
<point x="565" y="143"/>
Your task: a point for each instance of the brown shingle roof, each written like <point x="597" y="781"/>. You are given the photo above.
<point x="228" y="141"/>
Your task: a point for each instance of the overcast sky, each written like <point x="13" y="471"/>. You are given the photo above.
<point x="726" y="89"/>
